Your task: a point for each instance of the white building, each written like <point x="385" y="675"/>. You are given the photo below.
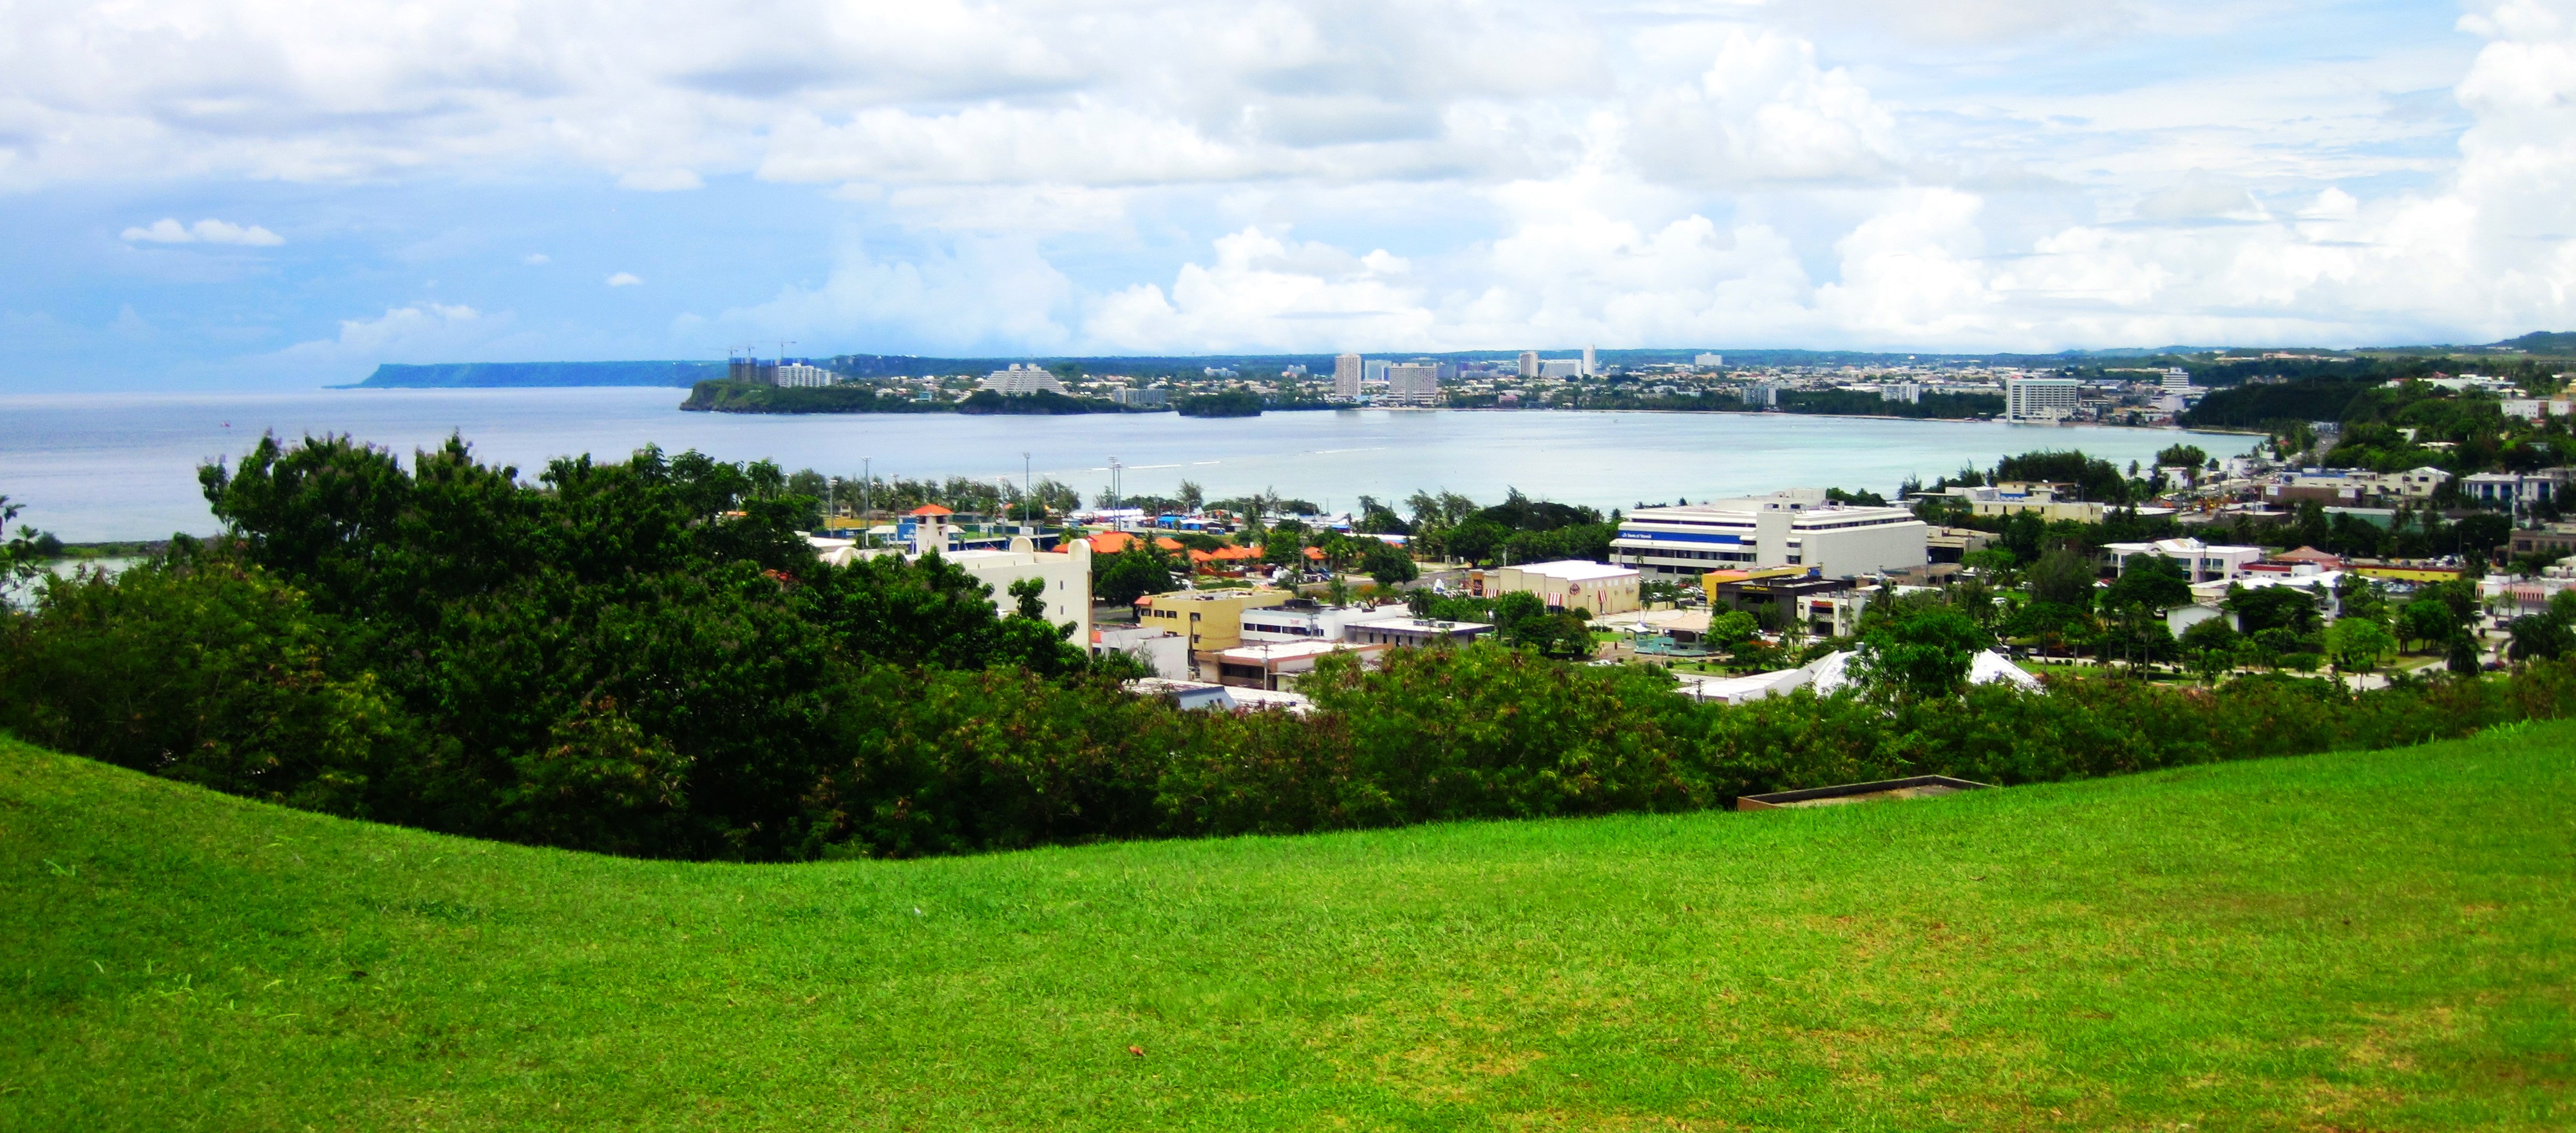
<point x="798" y="374"/>
<point x="1710" y="361"/>
<point x="1761" y="393"/>
<point x="1911" y="393"/>
<point x="2200" y="562"/>
<point x="1799" y="527"/>
<point x="1152" y="397"/>
<point x="1346" y="376"/>
<point x="1588" y="368"/>
<point x="1020" y="379"/>
<point x="1529" y="363"/>
<point x="1162" y="652"/>
<point x="2515" y="490"/>
<point x="1373" y="372"/>
<point x="1067" y="575"/>
<point x="2047" y="400"/>
<point x="1312" y="623"/>
<point x="1560" y="368"/>
<point x="1413" y="383"/>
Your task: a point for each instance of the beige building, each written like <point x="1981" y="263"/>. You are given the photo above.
<point x="1210" y="619"/>
<point x="1573" y="584"/>
<point x="1346" y="376"/>
<point x="1067" y="575"/>
<point x="1413" y="383"/>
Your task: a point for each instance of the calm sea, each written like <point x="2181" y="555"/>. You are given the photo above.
<point x="124" y="466"/>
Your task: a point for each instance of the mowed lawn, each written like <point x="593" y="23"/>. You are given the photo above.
<point x="2362" y="941"/>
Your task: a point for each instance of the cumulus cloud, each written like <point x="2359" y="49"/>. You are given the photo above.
<point x="169" y="231"/>
<point x="413" y="332"/>
<point x="1174" y="175"/>
<point x="536" y="259"/>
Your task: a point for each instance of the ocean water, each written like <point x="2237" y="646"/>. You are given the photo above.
<point x="124" y="466"/>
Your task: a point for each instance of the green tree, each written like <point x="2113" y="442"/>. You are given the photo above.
<point x="1122" y="578"/>
<point x="2357" y="644"/>
<point x="1388" y="565"/>
<point x="2064" y="576"/>
<point x="2152" y="582"/>
<point x="1921" y="655"/>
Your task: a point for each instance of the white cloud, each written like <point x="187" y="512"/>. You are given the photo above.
<point x="661" y="181"/>
<point x="2025" y="173"/>
<point x="977" y="293"/>
<point x="170" y="231"/>
<point x="413" y="332"/>
<point x="536" y="259"/>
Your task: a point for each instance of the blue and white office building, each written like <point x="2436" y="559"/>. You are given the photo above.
<point x="1795" y="528"/>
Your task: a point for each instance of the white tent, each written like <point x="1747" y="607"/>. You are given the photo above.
<point x="1831" y="672"/>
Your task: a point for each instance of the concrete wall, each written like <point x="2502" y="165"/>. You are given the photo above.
<point x="1849" y="552"/>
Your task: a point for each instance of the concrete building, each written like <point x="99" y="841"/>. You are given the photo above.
<point x="1569" y="584"/>
<point x="1273" y="666"/>
<point x="1346" y="376"/>
<point x="1710" y="361"/>
<point x="1373" y="372"/>
<point x="2014" y="496"/>
<point x="1210" y="619"/>
<point x="1020" y="379"/>
<point x="1911" y="393"/>
<point x="2556" y="540"/>
<point x="1588" y="368"/>
<point x="1415" y="632"/>
<point x="1529" y="363"/>
<point x="2042" y="400"/>
<point x="1162" y="652"/>
<point x="1796" y="528"/>
<point x="1413" y="383"/>
<point x="798" y="375"/>
<point x="2515" y="491"/>
<point x="1560" y="368"/>
<point x="1066" y="573"/>
<point x="1302" y="619"/>
<point x="1760" y="393"/>
<point x="2201" y="562"/>
<point x="1155" y="397"/>
<point x="1783" y="590"/>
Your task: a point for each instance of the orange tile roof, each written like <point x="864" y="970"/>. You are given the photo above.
<point x="931" y="509"/>
<point x="1167" y="543"/>
<point x="1112" y="542"/>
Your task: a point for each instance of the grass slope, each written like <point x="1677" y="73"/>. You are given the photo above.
<point x="2353" y="941"/>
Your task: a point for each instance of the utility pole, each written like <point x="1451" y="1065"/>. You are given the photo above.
<point x="867" y="474"/>
<point x="1028" y="495"/>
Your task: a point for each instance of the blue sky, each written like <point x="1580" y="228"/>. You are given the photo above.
<point x="249" y="194"/>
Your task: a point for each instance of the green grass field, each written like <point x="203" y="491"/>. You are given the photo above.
<point x="2365" y="941"/>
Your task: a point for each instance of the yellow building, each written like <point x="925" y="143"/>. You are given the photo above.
<point x="1211" y="619"/>
<point x="2393" y="573"/>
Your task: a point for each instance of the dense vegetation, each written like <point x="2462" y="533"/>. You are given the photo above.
<point x="1223" y="403"/>
<point x="644" y="658"/>
<point x="2362" y="941"/>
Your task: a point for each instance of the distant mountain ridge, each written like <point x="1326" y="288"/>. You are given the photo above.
<point x="488" y="375"/>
